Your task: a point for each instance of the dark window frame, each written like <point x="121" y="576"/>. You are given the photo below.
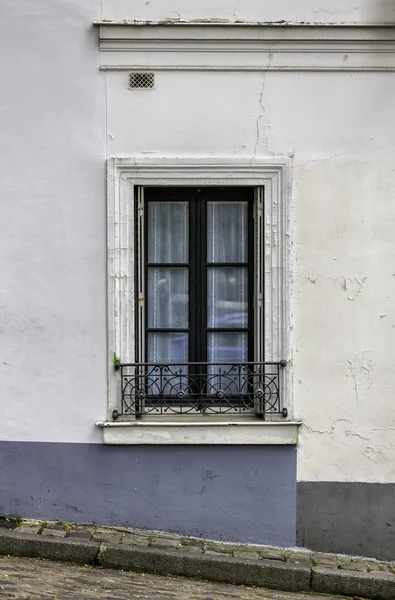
<point x="198" y="265"/>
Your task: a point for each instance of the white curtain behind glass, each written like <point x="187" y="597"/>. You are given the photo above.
<point x="168" y="281"/>
<point x="168" y="286"/>
<point x="227" y="286"/>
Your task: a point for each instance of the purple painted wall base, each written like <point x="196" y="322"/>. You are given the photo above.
<point x="239" y="493"/>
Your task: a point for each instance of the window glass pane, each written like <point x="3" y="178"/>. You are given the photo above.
<point x="168" y="297"/>
<point x="168" y="232"/>
<point x="166" y="347"/>
<point x="227" y="346"/>
<point x="227" y="301"/>
<point x="227" y="231"/>
<point x="169" y="350"/>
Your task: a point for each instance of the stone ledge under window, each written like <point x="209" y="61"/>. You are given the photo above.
<point x="197" y="433"/>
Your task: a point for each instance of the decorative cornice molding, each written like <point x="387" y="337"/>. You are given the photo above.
<point x="250" y="47"/>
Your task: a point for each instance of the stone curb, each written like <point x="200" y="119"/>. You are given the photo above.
<point x="274" y="574"/>
<point x="225" y="569"/>
<point x="35" y="546"/>
<point x="380" y="586"/>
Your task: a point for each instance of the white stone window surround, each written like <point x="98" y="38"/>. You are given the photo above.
<point x="124" y="174"/>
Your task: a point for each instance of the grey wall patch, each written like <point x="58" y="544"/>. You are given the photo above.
<point x="351" y="518"/>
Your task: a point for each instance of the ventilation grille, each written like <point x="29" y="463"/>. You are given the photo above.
<point x="141" y="81"/>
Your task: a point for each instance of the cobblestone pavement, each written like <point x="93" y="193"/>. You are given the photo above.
<point x="23" y="578"/>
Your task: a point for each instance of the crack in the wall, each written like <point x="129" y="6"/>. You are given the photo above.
<point x="389" y="447"/>
<point x="260" y="117"/>
<point x="325" y="431"/>
<point x="262" y="112"/>
<point x="353" y="286"/>
<point x="373" y="447"/>
<point x="373" y="454"/>
<point x="359" y="366"/>
<point x="312" y="277"/>
<point x="322" y="160"/>
<point x="349" y="433"/>
<point x="355" y="379"/>
<point x="235" y="11"/>
<point x="380" y="429"/>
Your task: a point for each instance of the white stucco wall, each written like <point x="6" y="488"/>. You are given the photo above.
<point x="52" y="222"/>
<point x="339" y="128"/>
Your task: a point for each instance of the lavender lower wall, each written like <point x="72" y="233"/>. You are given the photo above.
<point x="242" y="493"/>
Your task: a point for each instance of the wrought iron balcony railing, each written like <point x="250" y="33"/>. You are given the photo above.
<point x="190" y="388"/>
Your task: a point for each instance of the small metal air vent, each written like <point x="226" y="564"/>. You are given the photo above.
<point x="141" y="81"/>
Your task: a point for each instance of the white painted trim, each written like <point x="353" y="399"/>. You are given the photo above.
<point x="125" y="173"/>
<point x="197" y="433"/>
<point x="120" y="273"/>
<point x="225" y="23"/>
<point x="251" y="47"/>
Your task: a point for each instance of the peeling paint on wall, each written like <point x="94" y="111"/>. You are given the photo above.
<point x="224" y="11"/>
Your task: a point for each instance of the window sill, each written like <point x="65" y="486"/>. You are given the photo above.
<point x="198" y="433"/>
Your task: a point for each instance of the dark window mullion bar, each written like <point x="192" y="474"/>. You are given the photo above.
<point x="192" y="280"/>
<point x="202" y="199"/>
<point x="251" y="282"/>
<point x="201" y="254"/>
<point x="193" y="294"/>
<point x="146" y="202"/>
<point x="203" y="275"/>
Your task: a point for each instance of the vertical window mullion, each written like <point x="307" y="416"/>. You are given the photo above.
<point x="251" y="278"/>
<point x="144" y="313"/>
<point x="258" y="261"/>
<point x="201" y="253"/>
<point x="193" y="282"/>
<point x="198" y="262"/>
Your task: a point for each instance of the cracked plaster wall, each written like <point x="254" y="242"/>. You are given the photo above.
<point x="343" y="344"/>
<point x="339" y="129"/>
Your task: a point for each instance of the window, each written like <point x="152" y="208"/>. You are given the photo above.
<point x="198" y="279"/>
<point x="199" y="275"/>
<point x="198" y="298"/>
